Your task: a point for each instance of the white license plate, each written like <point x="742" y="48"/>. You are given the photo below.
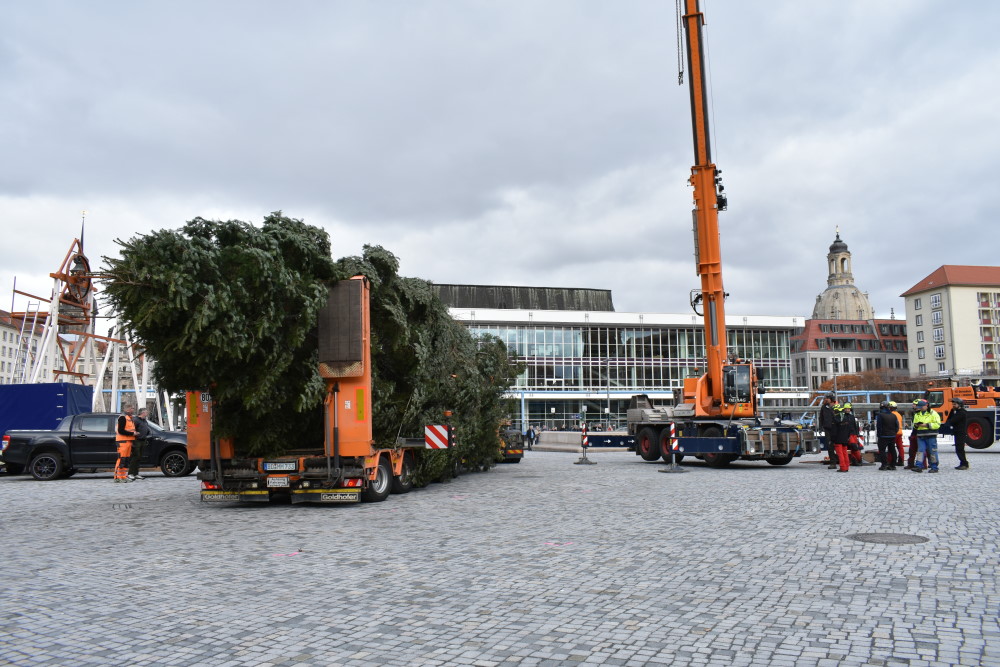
<point x="273" y="482"/>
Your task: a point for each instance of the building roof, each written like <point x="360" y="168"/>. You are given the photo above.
<point x="953" y="274"/>
<point x="525" y="298"/>
<point x="494" y="317"/>
<point x="813" y="331"/>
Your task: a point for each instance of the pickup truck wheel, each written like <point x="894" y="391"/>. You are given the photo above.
<point x="404" y="483"/>
<point x="647" y="444"/>
<point x="175" y="464"/>
<point x="783" y="461"/>
<point x="978" y="433"/>
<point x="378" y="488"/>
<point x="46" y="466"/>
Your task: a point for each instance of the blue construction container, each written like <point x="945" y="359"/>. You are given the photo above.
<point x="42" y="405"/>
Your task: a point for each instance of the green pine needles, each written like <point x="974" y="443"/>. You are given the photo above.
<point x="233" y="307"/>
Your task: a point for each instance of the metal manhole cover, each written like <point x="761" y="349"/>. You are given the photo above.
<point x="889" y="538"/>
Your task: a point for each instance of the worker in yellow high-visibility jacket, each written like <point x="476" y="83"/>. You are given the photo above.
<point x="926" y="424"/>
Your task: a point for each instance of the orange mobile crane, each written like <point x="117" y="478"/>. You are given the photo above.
<point x="716" y="416"/>
<point x="982" y="427"/>
<point x="348" y="468"/>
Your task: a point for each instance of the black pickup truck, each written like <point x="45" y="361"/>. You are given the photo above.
<point x="86" y="442"/>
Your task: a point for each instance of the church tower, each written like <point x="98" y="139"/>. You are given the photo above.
<point x="841" y="300"/>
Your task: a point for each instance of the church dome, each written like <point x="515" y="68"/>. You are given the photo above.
<point x="838" y="245"/>
<point x="841" y="300"/>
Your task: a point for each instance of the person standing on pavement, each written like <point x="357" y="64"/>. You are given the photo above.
<point x="139" y="444"/>
<point x="844" y="425"/>
<point x="854" y="447"/>
<point x="911" y="454"/>
<point x="926" y="423"/>
<point x="886" y="426"/>
<point x="899" y="434"/>
<point x="957" y="421"/>
<point x="826" y="425"/>
<point x="124" y="436"/>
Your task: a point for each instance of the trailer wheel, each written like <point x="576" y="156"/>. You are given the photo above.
<point x="404" y="483"/>
<point x="378" y="488"/>
<point x="979" y="435"/>
<point x="647" y="443"/>
<point x="666" y="451"/>
<point x="783" y="461"/>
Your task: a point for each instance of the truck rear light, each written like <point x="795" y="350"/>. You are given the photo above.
<point x="6" y="441"/>
<point x="210" y="486"/>
<point x="352" y="483"/>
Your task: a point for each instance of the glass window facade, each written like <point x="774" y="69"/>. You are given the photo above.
<point x="597" y="358"/>
<point x="581" y="370"/>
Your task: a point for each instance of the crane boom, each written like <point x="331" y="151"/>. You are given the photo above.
<point x="709" y="396"/>
<point x="716" y="417"/>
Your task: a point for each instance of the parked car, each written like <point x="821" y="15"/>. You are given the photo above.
<point x="86" y="442"/>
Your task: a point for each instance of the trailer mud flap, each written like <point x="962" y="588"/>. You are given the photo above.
<point x="326" y="496"/>
<point x="218" y="496"/>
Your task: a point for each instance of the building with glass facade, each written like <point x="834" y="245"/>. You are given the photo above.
<point x="586" y="365"/>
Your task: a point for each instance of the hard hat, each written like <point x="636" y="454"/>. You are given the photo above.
<point x="892" y="404"/>
<point x="958" y="402"/>
<point x="831" y="397"/>
<point x="847" y="406"/>
<point x="884" y="404"/>
<point x="921" y="404"/>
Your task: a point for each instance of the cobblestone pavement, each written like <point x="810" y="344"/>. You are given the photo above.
<point x="539" y="563"/>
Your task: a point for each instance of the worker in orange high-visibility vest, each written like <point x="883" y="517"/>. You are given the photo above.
<point x="124" y="436"/>
<point x="899" y="434"/>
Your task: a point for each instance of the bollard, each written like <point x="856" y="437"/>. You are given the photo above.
<point x="583" y="447"/>
<point x="674" y="445"/>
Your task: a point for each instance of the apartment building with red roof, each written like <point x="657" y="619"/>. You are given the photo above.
<point x="953" y="316"/>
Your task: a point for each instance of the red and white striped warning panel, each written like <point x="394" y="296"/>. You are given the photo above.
<point x="436" y="437"/>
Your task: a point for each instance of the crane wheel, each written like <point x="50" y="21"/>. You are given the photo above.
<point x="666" y="448"/>
<point x="979" y="432"/>
<point x="647" y="444"/>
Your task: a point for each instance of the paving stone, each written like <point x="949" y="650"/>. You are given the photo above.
<point x="539" y="563"/>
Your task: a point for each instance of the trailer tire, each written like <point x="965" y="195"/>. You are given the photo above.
<point x="378" y="489"/>
<point x="783" y="461"/>
<point x="647" y="444"/>
<point x="978" y="433"/>
<point x="404" y="483"/>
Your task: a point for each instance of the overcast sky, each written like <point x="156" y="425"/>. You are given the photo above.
<point x="518" y="142"/>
